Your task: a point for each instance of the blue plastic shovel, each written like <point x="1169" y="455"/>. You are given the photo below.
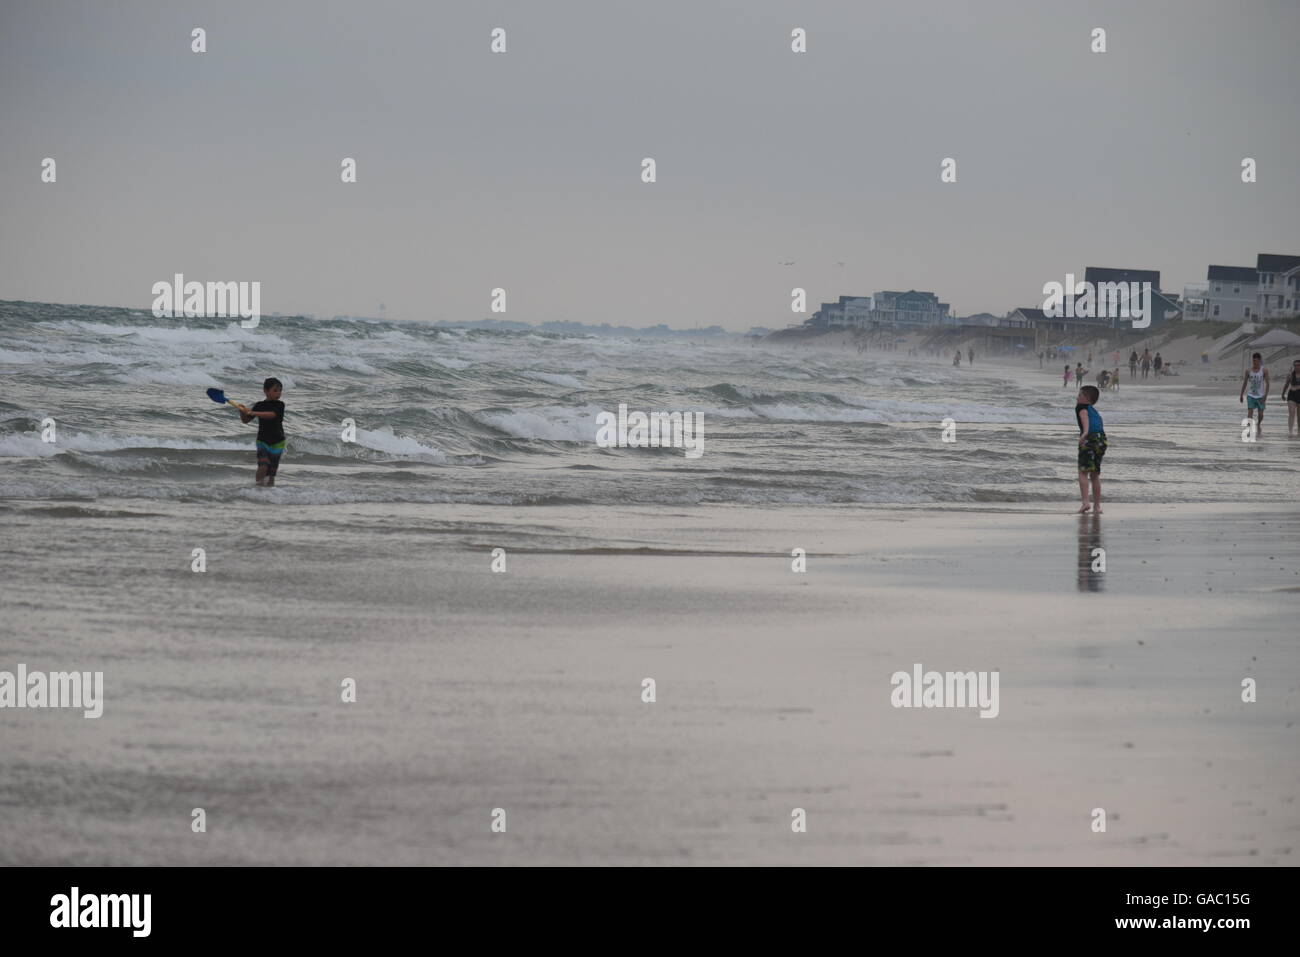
<point x="216" y="395"/>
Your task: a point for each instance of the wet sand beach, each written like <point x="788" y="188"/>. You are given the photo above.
<point x="522" y="690"/>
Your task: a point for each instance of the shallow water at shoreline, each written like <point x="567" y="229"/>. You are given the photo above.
<point x="510" y="419"/>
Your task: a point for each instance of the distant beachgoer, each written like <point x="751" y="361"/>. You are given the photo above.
<point x="1254" y="388"/>
<point x="1092" y="446"/>
<point x="970" y="355"/>
<point x="1040" y="360"/>
<point x="1291" y="389"/>
<point x="1115" y="357"/>
<point x="1146" y="362"/>
<point x="1068" y="373"/>
<point x="1156" y="363"/>
<point x="1133" y="364"/>
<point x="1103" y="377"/>
<point x="1114" y="380"/>
<point x="956" y="360"/>
<point x="1079" y="372"/>
<point x="1089" y="358"/>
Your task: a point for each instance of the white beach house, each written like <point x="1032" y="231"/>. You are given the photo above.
<point x="1279" y="286"/>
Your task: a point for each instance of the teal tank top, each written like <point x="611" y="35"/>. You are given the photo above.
<point x="1094" y="421"/>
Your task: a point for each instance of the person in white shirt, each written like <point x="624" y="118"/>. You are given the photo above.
<point x="1254" y="388"/>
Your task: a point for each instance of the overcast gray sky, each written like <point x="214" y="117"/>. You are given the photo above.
<point x="522" y="170"/>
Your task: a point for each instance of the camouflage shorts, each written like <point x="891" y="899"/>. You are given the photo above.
<point x="1092" y="451"/>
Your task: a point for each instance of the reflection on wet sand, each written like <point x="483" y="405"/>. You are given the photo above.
<point x="1091" y="563"/>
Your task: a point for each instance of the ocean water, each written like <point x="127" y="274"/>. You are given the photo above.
<point x="497" y="418"/>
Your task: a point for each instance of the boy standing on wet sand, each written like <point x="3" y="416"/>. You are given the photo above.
<point x="1092" y="446"/>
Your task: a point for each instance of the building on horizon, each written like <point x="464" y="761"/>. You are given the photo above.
<point x="979" y="319"/>
<point x="911" y="308"/>
<point x="856" y="310"/>
<point x="888" y="307"/>
<point x="1106" y="284"/>
<point x="1232" y="293"/>
<point x="1162" y="307"/>
<point x="1195" y="295"/>
<point x="848" y="311"/>
<point x="1032" y="317"/>
<point x="1278" y="295"/>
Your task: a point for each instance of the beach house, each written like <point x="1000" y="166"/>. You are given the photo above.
<point x="911" y="308"/>
<point x="1278" y="296"/>
<point x="1232" y="292"/>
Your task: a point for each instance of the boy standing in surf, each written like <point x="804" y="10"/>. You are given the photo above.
<point x="270" y="430"/>
<point x="1092" y="446"/>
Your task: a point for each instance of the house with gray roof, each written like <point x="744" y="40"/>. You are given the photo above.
<point x="1279" y="286"/>
<point x="1231" y="292"/>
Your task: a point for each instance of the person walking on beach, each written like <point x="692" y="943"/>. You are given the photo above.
<point x="1089" y="358"/>
<point x="1156" y="363"/>
<point x="1146" y="362"/>
<point x="1079" y="373"/>
<point x="1040" y="360"/>
<point x="1254" y="388"/>
<point x="1291" y="391"/>
<point x="1066" y="380"/>
<point x="956" y="360"/>
<point x="970" y="356"/>
<point x="1092" y="446"/>
<point x="1133" y="364"/>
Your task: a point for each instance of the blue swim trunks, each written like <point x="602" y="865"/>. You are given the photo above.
<point x="269" y="456"/>
<point x="1253" y="402"/>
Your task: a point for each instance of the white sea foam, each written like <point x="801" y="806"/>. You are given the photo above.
<point x="553" y="423"/>
<point x="310" y="362"/>
<point x="175" y="375"/>
<point x="181" y="335"/>
<point x="817" y="413"/>
<point x="780" y="373"/>
<point x="29" y="444"/>
<point x="397" y="445"/>
<point x="555" y="378"/>
<point x="54" y="356"/>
